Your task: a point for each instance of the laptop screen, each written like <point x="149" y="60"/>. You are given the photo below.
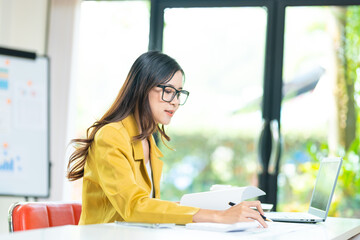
<point x="325" y="183"/>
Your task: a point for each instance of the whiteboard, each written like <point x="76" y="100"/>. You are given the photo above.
<point x="24" y="126"/>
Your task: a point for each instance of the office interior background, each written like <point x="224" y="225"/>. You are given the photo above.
<point x="274" y="86"/>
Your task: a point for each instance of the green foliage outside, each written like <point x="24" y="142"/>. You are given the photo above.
<point x="200" y="161"/>
<point x="194" y="167"/>
<point x="348" y="202"/>
<point x="295" y="191"/>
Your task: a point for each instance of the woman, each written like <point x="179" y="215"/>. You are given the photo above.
<point x="119" y="160"/>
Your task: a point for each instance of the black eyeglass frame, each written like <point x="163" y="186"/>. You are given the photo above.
<point x="177" y="93"/>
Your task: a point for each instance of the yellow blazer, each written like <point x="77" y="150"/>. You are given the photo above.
<point x="116" y="185"/>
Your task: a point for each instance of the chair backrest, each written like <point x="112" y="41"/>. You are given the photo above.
<point x="32" y="215"/>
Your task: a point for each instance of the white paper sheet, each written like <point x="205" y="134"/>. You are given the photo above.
<point x="219" y="199"/>
<point x="221" y="227"/>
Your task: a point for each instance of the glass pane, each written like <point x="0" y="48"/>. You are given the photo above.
<point x="320" y="106"/>
<point x="111" y="36"/>
<point x="215" y="133"/>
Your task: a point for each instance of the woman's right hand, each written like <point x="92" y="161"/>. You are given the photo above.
<point x="238" y="213"/>
<point x="243" y="213"/>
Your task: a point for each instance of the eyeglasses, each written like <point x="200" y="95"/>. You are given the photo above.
<point x="169" y="93"/>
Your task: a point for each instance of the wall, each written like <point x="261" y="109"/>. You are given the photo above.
<point x="22" y="28"/>
<point x="63" y="25"/>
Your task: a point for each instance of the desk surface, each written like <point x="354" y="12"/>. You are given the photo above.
<point x="333" y="228"/>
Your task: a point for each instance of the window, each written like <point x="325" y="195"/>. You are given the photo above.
<point x="112" y="35"/>
<point x="215" y="133"/>
<point x="320" y="105"/>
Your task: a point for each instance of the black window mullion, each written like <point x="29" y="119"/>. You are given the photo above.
<point x="270" y="148"/>
<point x="156" y="26"/>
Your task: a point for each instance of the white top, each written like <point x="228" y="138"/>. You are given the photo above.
<point x="148" y="169"/>
<point x="333" y="228"/>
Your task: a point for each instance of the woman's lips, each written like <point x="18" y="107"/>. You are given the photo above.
<point x="170" y="113"/>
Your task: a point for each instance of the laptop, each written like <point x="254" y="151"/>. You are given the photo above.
<point x="321" y="196"/>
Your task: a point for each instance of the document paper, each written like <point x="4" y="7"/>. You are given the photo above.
<point x="221" y="227"/>
<point x="219" y="199"/>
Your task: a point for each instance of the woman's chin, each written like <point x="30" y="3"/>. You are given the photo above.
<point x="165" y="121"/>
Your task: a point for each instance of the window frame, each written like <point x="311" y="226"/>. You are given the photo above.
<point x="273" y="66"/>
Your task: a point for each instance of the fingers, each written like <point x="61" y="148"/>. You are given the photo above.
<point x="247" y="213"/>
<point x="256" y="216"/>
<point x="256" y="204"/>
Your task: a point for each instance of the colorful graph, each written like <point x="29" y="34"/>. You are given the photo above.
<point x="7" y="163"/>
<point x="4" y="79"/>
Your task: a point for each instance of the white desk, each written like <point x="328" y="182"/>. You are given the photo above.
<point x="333" y="228"/>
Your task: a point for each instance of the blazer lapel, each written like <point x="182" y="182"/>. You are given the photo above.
<point x="138" y="152"/>
<point x="155" y="153"/>
<point x="156" y="165"/>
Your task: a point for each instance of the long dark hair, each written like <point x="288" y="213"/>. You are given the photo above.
<point x="149" y="70"/>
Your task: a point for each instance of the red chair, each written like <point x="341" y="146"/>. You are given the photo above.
<point x="32" y="215"/>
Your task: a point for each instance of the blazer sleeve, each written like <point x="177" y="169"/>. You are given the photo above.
<point x="116" y="175"/>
